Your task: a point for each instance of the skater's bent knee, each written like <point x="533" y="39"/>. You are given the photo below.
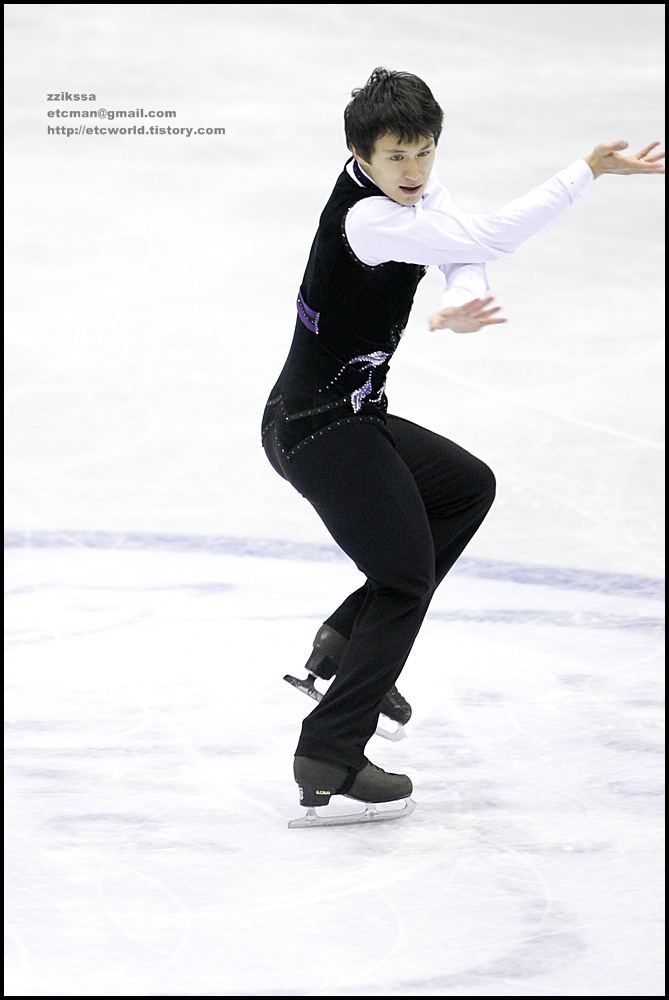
<point x="486" y="484"/>
<point x="489" y="484"/>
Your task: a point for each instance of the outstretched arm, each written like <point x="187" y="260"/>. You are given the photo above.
<point x="608" y="158"/>
<point x="378" y="229"/>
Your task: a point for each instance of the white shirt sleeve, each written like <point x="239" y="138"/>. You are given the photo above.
<point x="464" y="282"/>
<point x="435" y="232"/>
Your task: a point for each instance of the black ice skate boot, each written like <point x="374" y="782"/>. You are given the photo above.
<point x="328" y="650"/>
<point x="319" y="780"/>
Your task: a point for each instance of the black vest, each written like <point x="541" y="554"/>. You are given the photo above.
<point x="350" y="318"/>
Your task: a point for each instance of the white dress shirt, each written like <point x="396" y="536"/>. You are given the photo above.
<point x="434" y="231"/>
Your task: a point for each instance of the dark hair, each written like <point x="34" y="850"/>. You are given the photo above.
<point x="391" y="103"/>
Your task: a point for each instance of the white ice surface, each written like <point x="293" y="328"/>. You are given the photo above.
<point x="161" y="579"/>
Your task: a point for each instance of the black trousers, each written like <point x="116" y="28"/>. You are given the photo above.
<point x="402" y="502"/>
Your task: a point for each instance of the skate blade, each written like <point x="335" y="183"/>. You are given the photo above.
<point x="389" y="734"/>
<point x="307" y="686"/>
<point x="372" y="814"/>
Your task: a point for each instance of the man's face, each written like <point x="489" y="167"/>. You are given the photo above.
<point x="400" y="169"/>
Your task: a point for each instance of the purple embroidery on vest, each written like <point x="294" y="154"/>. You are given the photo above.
<point x="367" y="362"/>
<point x="309" y="317"/>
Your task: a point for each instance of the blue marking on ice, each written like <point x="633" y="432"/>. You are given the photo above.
<point x="566" y="577"/>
